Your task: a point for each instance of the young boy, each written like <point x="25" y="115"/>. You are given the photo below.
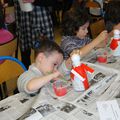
<point x="48" y="58"/>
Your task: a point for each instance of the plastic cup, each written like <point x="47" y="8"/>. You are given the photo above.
<point x="102" y="58"/>
<point x="60" y="87"/>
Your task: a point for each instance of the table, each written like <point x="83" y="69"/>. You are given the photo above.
<point x="112" y="61"/>
<point x="74" y="105"/>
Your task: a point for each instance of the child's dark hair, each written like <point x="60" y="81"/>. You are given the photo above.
<point x="73" y="20"/>
<point x="112" y="14"/>
<point x="47" y="47"/>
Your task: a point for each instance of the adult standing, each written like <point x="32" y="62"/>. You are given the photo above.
<point x="32" y="25"/>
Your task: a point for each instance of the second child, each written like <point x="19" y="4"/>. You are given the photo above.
<point x="75" y="33"/>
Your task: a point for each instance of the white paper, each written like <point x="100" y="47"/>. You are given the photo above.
<point x="108" y="110"/>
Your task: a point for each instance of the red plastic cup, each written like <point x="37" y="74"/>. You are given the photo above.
<point x="60" y="88"/>
<point x="102" y="58"/>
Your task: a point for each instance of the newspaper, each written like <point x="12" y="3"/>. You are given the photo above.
<point x="15" y="106"/>
<point x="104" y="85"/>
<point x="56" y="109"/>
<point x="112" y="61"/>
<point x="109" y="110"/>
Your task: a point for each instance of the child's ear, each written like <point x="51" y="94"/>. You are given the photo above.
<point x="40" y="56"/>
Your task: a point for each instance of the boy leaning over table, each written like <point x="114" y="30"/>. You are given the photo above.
<point x="50" y="65"/>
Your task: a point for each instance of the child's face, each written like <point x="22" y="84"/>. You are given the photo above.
<point x="50" y="63"/>
<point x="83" y="30"/>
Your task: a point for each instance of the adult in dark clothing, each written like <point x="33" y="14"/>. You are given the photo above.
<point x="32" y="25"/>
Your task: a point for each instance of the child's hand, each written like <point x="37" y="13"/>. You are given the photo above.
<point x="56" y="74"/>
<point x="75" y="51"/>
<point x="102" y="36"/>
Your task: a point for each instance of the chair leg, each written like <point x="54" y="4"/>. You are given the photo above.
<point x="16" y="52"/>
<point x="1" y="93"/>
<point x="15" y="91"/>
<point x="5" y="90"/>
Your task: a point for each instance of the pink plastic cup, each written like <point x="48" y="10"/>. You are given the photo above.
<point x="60" y="88"/>
<point x="102" y="58"/>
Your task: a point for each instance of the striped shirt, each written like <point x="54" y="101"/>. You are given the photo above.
<point x="69" y="43"/>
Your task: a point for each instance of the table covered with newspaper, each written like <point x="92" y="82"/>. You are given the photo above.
<point x="104" y="85"/>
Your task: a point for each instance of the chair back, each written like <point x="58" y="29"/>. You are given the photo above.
<point x="97" y="27"/>
<point x="9" y="72"/>
<point x="92" y="4"/>
<point x="8" y="48"/>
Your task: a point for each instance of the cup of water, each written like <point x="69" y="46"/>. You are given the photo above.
<point x="60" y="87"/>
<point x="102" y="56"/>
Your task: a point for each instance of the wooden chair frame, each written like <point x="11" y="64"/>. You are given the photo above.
<point x="97" y="27"/>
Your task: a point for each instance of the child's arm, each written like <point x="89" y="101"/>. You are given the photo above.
<point x="87" y="48"/>
<point x="36" y="83"/>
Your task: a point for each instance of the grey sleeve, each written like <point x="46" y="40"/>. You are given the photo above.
<point x="23" y="81"/>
